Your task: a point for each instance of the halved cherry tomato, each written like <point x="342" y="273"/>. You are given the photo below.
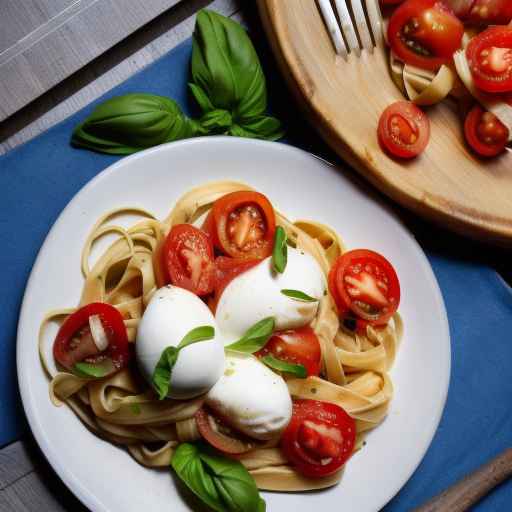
<point x="220" y="436"/>
<point x="404" y="129"/>
<point x="485" y="133"/>
<point x="365" y="287"/>
<point x="242" y="225"/>
<point x="319" y="438"/>
<point x="489" y="57"/>
<point x="297" y="346"/>
<point x="460" y="8"/>
<point x="391" y="2"/>
<point x="74" y="342"/>
<point x="188" y="258"/>
<point x="425" y="33"/>
<point x="489" y="12"/>
<point x="226" y="269"/>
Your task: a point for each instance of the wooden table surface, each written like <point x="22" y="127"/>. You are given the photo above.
<point x="27" y="482"/>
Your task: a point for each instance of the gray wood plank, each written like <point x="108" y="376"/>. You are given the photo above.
<point x="15" y="462"/>
<point x="64" y="43"/>
<point x="105" y="72"/>
<point x="30" y="494"/>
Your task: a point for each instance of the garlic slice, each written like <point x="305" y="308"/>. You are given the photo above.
<point x="98" y="333"/>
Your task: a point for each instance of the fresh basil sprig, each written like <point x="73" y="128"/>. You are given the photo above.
<point x="223" y="484"/>
<point x="298" y="370"/>
<point x="298" y="295"/>
<point x="280" y="251"/>
<point x="129" y="123"/>
<point x="227" y="82"/>
<point x="163" y="370"/>
<point x="227" y="76"/>
<point x="255" y="338"/>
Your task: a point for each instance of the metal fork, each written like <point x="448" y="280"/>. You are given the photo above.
<point x="356" y="28"/>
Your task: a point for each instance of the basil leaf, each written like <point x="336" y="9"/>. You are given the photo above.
<point x="200" y="96"/>
<point x="203" y="333"/>
<point x="298" y="295"/>
<point x="223" y="484"/>
<point x="135" y="409"/>
<point x="216" y="121"/>
<point x="255" y="338"/>
<point x="95" y="370"/>
<point x="189" y="468"/>
<point x="280" y="251"/>
<point x="129" y="123"/>
<point x="278" y="364"/>
<point x="163" y="370"/>
<point x="259" y="127"/>
<point x="226" y="67"/>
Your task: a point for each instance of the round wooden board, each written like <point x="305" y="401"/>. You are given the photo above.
<point x="343" y="101"/>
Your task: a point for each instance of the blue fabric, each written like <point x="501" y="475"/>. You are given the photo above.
<point x="39" y="178"/>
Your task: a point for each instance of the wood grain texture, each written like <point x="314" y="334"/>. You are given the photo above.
<point x="61" y="42"/>
<point x="343" y="101"/>
<point x="108" y="70"/>
<point x="471" y="489"/>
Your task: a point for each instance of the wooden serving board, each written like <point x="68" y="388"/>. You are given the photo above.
<point x="343" y="101"/>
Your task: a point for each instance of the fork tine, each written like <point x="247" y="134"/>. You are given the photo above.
<point x="347" y="27"/>
<point x="333" y="28"/>
<point x="362" y="25"/>
<point x="376" y="25"/>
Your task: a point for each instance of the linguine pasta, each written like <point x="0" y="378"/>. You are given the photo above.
<point x="124" y="410"/>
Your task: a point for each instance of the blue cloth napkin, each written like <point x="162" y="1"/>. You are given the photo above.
<point x="39" y="178"/>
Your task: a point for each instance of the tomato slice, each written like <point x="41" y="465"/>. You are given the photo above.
<point x="489" y="12"/>
<point x="485" y="133"/>
<point x="242" y="225"/>
<point x="74" y="342"/>
<point x="220" y="436"/>
<point x="226" y="269"/>
<point x="460" y="8"/>
<point x="319" y="438"/>
<point x="365" y="288"/>
<point x="404" y="129"/>
<point x="425" y="33"/>
<point x="189" y="259"/>
<point x="489" y="57"/>
<point x="297" y="346"/>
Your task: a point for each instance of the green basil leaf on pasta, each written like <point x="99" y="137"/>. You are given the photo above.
<point x="163" y="371"/>
<point x="221" y="483"/>
<point x="94" y="370"/>
<point x="297" y="370"/>
<point x="298" y="295"/>
<point x="135" y="409"/>
<point x="130" y="123"/>
<point x="203" y="333"/>
<point x="280" y="251"/>
<point x="255" y="338"/>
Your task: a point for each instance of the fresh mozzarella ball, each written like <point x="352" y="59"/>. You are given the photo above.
<point x="251" y="397"/>
<point x="256" y="294"/>
<point x="170" y="315"/>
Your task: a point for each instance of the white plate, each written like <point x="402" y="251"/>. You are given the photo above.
<point x="105" y="477"/>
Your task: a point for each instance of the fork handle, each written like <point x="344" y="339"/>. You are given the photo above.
<point x="468" y="491"/>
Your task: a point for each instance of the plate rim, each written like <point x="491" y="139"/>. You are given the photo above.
<point x="88" y="497"/>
